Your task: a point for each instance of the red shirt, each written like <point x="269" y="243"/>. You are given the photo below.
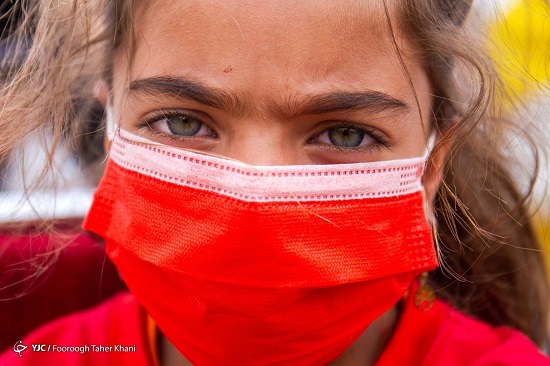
<point x="120" y="321"/>
<point x="438" y="336"/>
<point x="444" y="336"/>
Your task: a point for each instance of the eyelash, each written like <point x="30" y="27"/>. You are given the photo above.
<point x="380" y="140"/>
<point x="158" y="116"/>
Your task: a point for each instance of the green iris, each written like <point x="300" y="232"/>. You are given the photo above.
<point x="345" y="137"/>
<point x="183" y="126"/>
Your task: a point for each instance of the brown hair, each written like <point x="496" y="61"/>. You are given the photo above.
<point x="493" y="267"/>
<point x="493" y="264"/>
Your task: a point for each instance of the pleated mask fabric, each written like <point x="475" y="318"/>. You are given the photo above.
<point x="261" y="265"/>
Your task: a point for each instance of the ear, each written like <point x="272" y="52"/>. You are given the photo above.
<point x="101" y="93"/>
<point x="433" y="175"/>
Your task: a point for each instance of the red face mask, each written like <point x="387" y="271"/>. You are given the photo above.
<point x="248" y="265"/>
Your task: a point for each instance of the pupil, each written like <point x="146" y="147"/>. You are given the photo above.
<point x="345" y="137"/>
<point x="184" y="126"/>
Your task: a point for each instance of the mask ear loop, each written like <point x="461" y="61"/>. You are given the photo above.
<point x="430" y="144"/>
<point x="424" y="296"/>
<point x="427" y="207"/>
<point x="111" y="125"/>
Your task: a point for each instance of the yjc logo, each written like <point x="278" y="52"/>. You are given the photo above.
<point x="19" y="347"/>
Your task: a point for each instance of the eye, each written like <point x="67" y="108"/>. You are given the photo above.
<point x="346" y="137"/>
<point x="179" y="124"/>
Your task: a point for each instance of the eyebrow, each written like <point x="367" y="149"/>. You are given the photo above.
<point x="294" y="105"/>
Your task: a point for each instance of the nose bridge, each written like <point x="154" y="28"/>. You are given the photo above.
<point x="263" y="144"/>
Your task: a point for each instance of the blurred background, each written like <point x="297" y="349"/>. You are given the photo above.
<point x="519" y="41"/>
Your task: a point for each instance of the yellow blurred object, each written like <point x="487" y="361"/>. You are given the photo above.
<point x="521" y="46"/>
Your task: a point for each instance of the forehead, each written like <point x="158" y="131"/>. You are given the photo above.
<point x="265" y="46"/>
<point x="243" y="20"/>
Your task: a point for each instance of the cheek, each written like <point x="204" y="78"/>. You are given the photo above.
<point x="422" y="102"/>
<point x="423" y="90"/>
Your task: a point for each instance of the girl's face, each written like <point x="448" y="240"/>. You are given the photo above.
<point x="277" y="83"/>
<point x="274" y="83"/>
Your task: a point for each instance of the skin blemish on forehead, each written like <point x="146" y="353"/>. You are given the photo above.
<point x="228" y="69"/>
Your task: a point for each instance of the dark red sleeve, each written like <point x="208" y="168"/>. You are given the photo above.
<point x="444" y="336"/>
<point x="466" y="341"/>
<point x="117" y="322"/>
